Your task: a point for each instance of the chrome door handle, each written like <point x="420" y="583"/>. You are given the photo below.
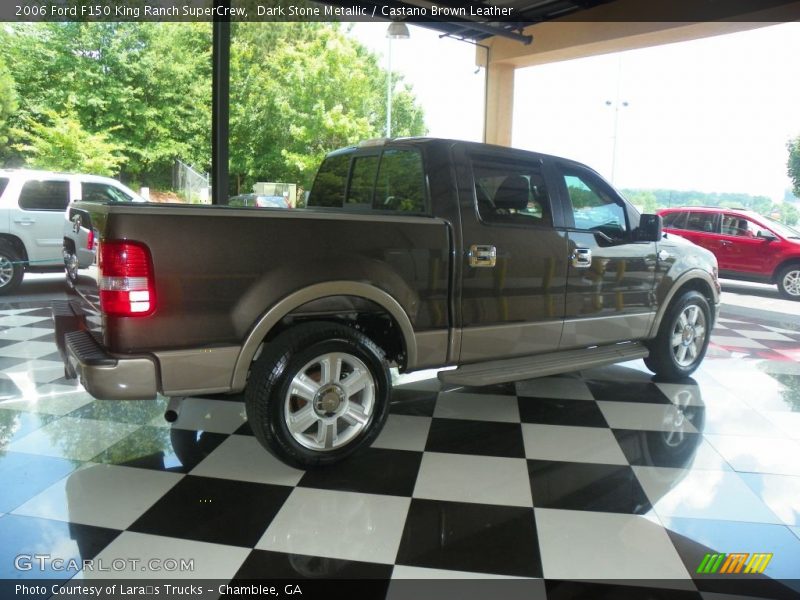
<point x="663" y="255"/>
<point x="581" y="258"/>
<point x="724" y="243"/>
<point x="24" y="220"/>
<point x="482" y="256"/>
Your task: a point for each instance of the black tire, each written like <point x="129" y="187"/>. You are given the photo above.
<point x="11" y="270"/>
<point x="788" y="281"/>
<point x="665" y="358"/>
<point x="300" y="350"/>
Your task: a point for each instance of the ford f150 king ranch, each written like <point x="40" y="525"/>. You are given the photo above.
<point x="414" y="253"/>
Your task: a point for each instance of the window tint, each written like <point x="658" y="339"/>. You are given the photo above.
<point x="44" y="195"/>
<point x="593" y="206"/>
<point x="670" y="219"/>
<point x="362" y="182"/>
<point x="102" y="192"/>
<point x="741" y="227"/>
<point x="401" y="182"/>
<point x="3" y="184"/>
<point x="329" y="185"/>
<point x="511" y="193"/>
<point x="701" y="221"/>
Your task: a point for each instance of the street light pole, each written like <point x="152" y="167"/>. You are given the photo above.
<point x="396" y="31"/>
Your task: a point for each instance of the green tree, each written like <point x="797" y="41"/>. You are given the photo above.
<point x="789" y="214"/>
<point x="793" y="164"/>
<point x="60" y="143"/>
<point x="8" y="102"/>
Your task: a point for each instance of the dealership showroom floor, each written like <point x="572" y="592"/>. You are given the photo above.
<point x="587" y="485"/>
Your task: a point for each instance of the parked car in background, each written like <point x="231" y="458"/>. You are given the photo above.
<point x="33" y="205"/>
<point x="748" y="246"/>
<point x="258" y="200"/>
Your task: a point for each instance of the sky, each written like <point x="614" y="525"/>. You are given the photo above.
<point x="712" y="115"/>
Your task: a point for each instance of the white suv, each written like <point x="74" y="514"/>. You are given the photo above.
<point x="33" y="205"/>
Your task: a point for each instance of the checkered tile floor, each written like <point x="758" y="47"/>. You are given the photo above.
<point x="603" y="475"/>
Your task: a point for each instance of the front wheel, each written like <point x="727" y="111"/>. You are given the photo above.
<point x="789" y="282"/>
<point x="11" y="271"/>
<point x="318" y="393"/>
<point x="682" y="340"/>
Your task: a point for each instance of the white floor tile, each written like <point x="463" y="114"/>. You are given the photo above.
<point x="588" y="545"/>
<point x="68" y="437"/>
<point x="20" y="320"/>
<point x="404" y="572"/>
<point x="577" y="444"/>
<point x="404" y="432"/>
<point x="201" y="414"/>
<point x="567" y="388"/>
<point x="102" y="495"/>
<point x="36" y="371"/>
<point x="479" y="407"/>
<point x="208" y="561"/>
<point x="720" y="495"/>
<point x="480" y="479"/>
<point x="50" y="401"/>
<point x="781" y="493"/>
<point x="758" y="454"/>
<point x="681" y="394"/>
<point x="787" y="422"/>
<point x="647" y="417"/>
<point x="736" y="342"/>
<point x="26" y="349"/>
<point x="345" y="525"/>
<point x="241" y="457"/>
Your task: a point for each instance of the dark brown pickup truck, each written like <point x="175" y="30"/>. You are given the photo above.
<point x="414" y="253"/>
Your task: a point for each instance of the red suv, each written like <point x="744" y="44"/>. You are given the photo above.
<point x="747" y="245"/>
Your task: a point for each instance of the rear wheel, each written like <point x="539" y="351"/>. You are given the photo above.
<point x="682" y="339"/>
<point x="789" y="281"/>
<point x="11" y="270"/>
<point x="318" y="393"/>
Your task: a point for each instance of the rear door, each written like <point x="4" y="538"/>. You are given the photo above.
<point x="514" y="262"/>
<point x="609" y="296"/>
<point x="702" y="228"/>
<point x="38" y="218"/>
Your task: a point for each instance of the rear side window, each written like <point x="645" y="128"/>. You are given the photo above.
<point x="401" y="182"/>
<point x="362" y="182"/>
<point x="3" y="184"/>
<point x="44" y="195"/>
<point x="102" y="192"/>
<point x="675" y="220"/>
<point x="701" y="221"/>
<point x="511" y="193"/>
<point x="329" y="185"/>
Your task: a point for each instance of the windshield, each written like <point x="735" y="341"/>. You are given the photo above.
<point x="781" y="229"/>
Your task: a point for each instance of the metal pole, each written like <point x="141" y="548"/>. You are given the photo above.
<point x="389" y="92"/>
<point x="220" y="105"/>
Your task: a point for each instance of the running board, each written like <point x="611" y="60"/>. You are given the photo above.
<point x="528" y="367"/>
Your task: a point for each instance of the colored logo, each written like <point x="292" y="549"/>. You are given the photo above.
<point x="737" y="562"/>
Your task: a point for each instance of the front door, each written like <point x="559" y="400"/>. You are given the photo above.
<point x="611" y="276"/>
<point x="514" y="266"/>
<point x="742" y="249"/>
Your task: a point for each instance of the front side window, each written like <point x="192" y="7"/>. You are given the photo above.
<point x="330" y="182"/>
<point x="44" y="195"/>
<point x="741" y="227"/>
<point x="511" y="193"/>
<point x="3" y="184"/>
<point x="401" y="182"/>
<point x="594" y="208"/>
<point x="102" y="192"/>
<point x="701" y="221"/>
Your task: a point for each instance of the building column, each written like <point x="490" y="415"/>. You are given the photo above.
<point x="499" y="105"/>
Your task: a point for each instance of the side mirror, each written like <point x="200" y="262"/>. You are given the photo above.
<point x="649" y="229"/>
<point x="766" y="235"/>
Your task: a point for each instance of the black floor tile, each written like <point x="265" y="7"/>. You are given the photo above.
<point x="214" y="510"/>
<point x="586" y="486"/>
<point x="374" y="471"/>
<point x="22" y="476"/>
<point x="121" y="411"/>
<point x="462" y="436"/>
<point x="29" y="536"/>
<point x="629" y="590"/>
<point x="262" y="564"/>
<point x="555" y="411"/>
<point x="658" y="448"/>
<point x="39" y="312"/>
<point x="412" y="402"/>
<point x="5" y="342"/>
<point x="162" y="449"/>
<point x="471" y="537"/>
<point x="15" y="424"/>
<point x="628" y="391"/>
<point x="55" y="357"/>
<point x="245" y="429"/>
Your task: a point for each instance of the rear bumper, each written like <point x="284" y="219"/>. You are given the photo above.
<point x="105" y="376"/>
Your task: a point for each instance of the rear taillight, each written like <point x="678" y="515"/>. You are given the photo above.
<point x="90" y="240"/>
<point x="127" y="288"/>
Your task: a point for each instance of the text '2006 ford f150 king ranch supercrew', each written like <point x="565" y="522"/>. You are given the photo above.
<point x="419" y="253"/>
